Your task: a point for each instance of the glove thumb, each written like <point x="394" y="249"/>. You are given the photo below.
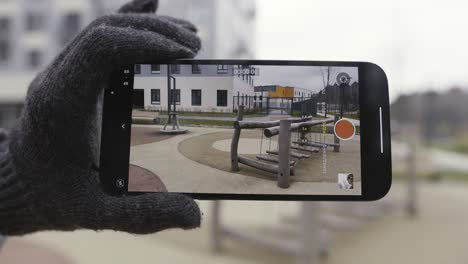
<point x="146" y="213"/>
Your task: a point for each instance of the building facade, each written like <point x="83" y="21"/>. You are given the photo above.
<point x="278" y="96"/>
<point x="33" y="31"/>
<point x="198" y="88"/>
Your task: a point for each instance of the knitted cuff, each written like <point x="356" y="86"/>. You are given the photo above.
<point x="3" y="140"/>
<point x="15" y="206"/>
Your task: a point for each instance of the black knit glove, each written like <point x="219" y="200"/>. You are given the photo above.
<point x="46" y="176"/>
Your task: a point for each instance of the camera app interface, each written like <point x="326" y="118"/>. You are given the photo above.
<point x="245" y="129"/>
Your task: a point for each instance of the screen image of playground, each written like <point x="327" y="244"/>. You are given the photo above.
<point x="245" y="129"/>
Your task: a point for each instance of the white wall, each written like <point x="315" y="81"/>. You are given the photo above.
<point x="207" y="85"/>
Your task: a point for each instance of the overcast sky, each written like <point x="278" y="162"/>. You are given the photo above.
<point x="420" y="44"/>
<point x="306" y="77"/>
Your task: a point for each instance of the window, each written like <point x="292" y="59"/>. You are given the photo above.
<point x="175" y="68"/>
<point x="34" y="22"/>
<point x="155" y="68"/>
<point x="34" y="59"/>
<point x="196" y="97"/>
<point x="222" y="69"/>
<point x="196" y="69"/>
<point x="155" y="96"/>
<point x="4" y="25"/>
<point x="137" y="69"/>
<point x="4" y="50"/>
<point x="70" y="27"/>
<point x="177" y="94"/>
<point x="221" y="96"/>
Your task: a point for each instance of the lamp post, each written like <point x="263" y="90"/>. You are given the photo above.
<point x="172" y="123"/>
<point x="343" y="79"/>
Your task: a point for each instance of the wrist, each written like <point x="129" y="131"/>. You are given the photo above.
<point x="15" y="207"/>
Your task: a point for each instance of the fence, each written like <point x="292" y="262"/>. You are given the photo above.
<point x="276" y="105"/>
<point x="296" y="106"/>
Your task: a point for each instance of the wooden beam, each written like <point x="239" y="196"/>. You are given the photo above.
<point x="261" y="165"/>
<point x="284" y="153"/>
<point x="266" y="124"/>
<point x="292" y="154"/>
<point x="273" y="159"/>
<point x="305" y="149"/>
<point x="235" y="141"/>
<point x="316" y="144"/>
<point x="273" y="131"/>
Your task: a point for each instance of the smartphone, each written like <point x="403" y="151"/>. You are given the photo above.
<point x="248" y="129"/>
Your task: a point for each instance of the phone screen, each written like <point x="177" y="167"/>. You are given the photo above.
<point x="207" y="128"/>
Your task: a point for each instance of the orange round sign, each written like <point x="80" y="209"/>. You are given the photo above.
<point x="345" y="129"/>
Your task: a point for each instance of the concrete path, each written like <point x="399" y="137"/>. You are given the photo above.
<point x="437" y="235"/>
<point x="435" y="159"/>
<point x="172" y="167"/>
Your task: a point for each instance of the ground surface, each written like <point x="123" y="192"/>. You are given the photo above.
<point x="144" y="135"/>
<point x="213" y="150"/>
<point x="187" y="173"/>
<point x="143" y="180"/>
<point x="437" y="235"/>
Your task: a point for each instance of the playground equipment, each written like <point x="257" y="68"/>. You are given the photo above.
<point x="172" y="123"/>
<point x="278" y="161"/>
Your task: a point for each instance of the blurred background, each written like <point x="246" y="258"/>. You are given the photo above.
<point x="420" y="44"/>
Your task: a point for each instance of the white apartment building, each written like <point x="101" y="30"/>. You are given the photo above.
<point x="199" y="88"/>
<point x="32" y="32"/>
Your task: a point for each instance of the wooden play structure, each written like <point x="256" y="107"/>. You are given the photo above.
<point x="283" y="160"/>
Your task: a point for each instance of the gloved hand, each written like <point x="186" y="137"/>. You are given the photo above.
<point x="46" y="176"/>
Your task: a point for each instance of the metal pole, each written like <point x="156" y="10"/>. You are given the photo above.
<point x="309" y="234"/>
<point x="2" y="241"/>
<point x="174" y="97"/>
<point x="216" y="231"/>
<point x="411" y="207"/>
<point x="169" y="108"/>
<point x="342" y="87"/>
<point x="336" y="148"/>
<point x="284" y="151"/>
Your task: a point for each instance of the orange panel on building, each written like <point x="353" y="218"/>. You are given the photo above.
<point x="282" y="91"/>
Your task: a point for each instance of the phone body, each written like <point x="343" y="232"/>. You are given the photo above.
<point x="248" y="130"/>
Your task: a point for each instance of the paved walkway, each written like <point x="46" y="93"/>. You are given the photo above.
<point x="165" y="162"/>
<point x="435" y="159"/>
<point x="269" y="117"/>
<point x="437" y="235"/>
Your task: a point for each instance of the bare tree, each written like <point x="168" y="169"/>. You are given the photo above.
<point x="327" y="75"/>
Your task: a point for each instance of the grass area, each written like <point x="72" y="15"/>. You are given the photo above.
<point x="457" y="144"/>
<point x="220" y="123"/>
<point x="209" y="123"/>
<point x="435" y="176"/>
<point x="461" y="145"/>
<point x="330" y="130"/>
<point x="186" y="122"/>
<point x="345" y="115"/>
<point x="211" y="114"/>
<point x="142" y="121"/>
<point x="296" y="113"/>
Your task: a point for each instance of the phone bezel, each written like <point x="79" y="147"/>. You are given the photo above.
<point x="373" y="94"/>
